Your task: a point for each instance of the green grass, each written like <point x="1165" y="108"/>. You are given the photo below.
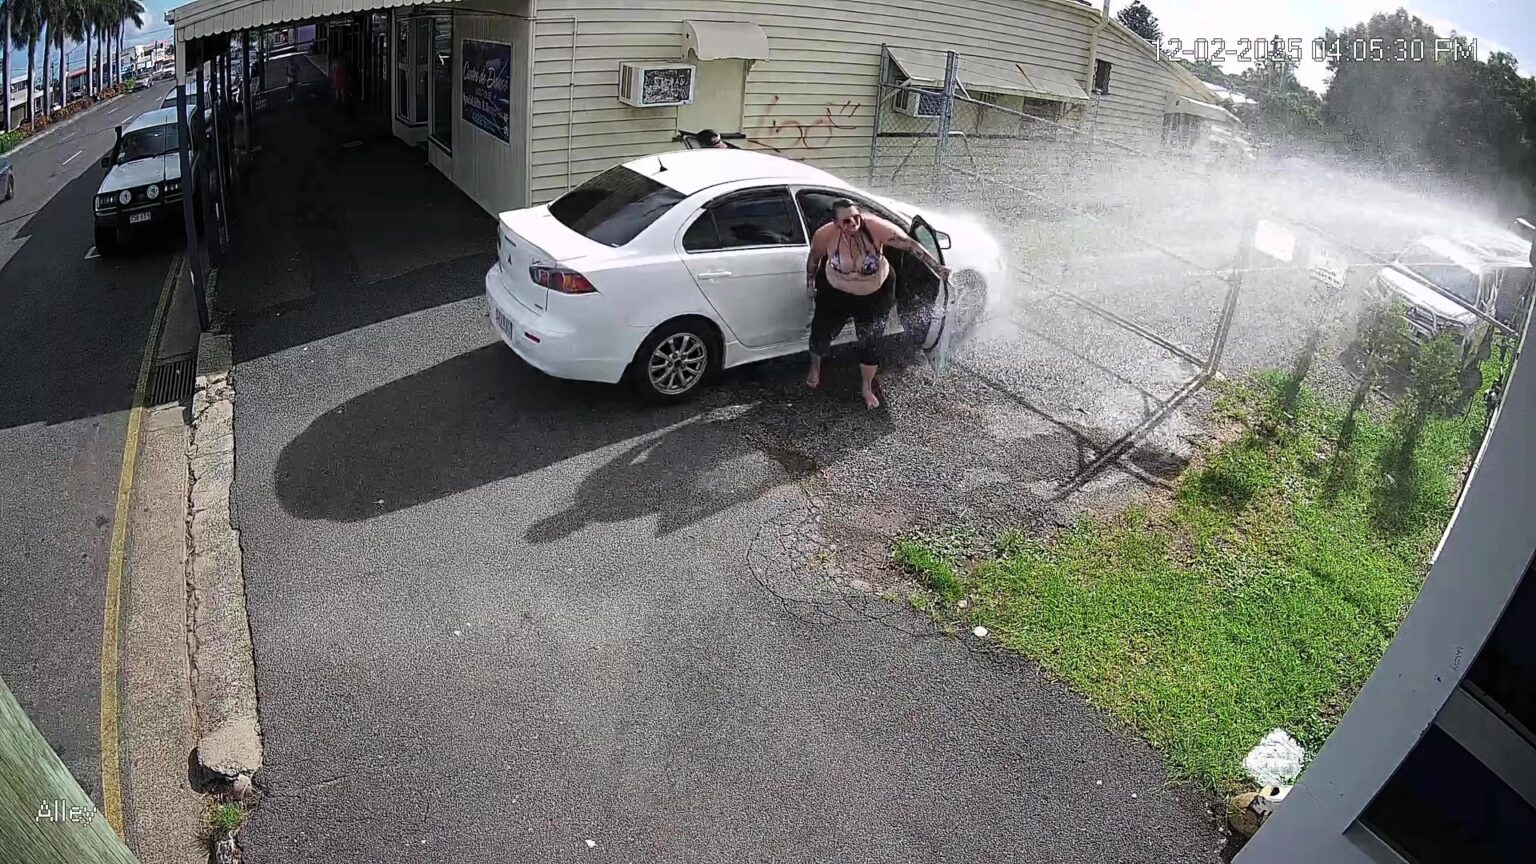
<point x="1261" y="596"/>
<point x="227" y="817"/>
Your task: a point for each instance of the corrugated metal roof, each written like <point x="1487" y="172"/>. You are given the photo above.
<point x="212" y="17"/>
<point x="926" y="68"/>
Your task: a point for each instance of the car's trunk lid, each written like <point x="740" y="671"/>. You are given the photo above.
<point x="535" y="237"/>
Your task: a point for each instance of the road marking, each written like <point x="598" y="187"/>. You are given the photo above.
<point x="92" y="253"/>
<point x="111" y="765"/>
<point x="71" y="159"/>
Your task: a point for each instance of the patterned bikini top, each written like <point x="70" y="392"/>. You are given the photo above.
<point x="856" y="254"/>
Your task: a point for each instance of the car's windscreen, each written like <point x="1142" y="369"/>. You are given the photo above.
<point x="147" y="143"/>
<point x="615" y="206"/>
<point x="1444" y="272"/>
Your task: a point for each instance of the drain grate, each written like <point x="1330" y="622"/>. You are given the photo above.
<point x="170" y="380"/>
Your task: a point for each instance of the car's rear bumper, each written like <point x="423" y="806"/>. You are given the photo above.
<point x="548" y="345"/>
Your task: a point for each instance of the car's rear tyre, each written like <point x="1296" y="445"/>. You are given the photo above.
<point x="106" y="240"/>
<point x="10" y="188"/>
<point x="675" y="361"/>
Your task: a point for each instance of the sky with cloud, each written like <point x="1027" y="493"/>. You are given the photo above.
<point x="1497" y="25"/>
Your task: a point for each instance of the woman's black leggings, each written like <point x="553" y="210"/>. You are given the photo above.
<point x="868" y="311"/>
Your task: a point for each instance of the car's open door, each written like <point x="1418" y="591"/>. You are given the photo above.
<point x="923" y="299"/>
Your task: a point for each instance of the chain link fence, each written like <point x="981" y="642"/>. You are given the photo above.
<point x="1147" y="263"/>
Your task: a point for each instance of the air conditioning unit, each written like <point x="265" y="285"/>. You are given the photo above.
<point x="652" y="85"/>
<point x="919" y="103"/>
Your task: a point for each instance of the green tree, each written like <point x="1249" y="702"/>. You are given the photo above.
<point x="1209" y="72"/>
<point x="1141" y="21"/>
<point x="1395" y="97"/>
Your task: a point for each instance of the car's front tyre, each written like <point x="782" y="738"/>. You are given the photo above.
<point x="675" y="361"/>
<point x="106" y="240"/>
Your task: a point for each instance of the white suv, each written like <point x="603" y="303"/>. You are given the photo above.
<point x="1443" y="279"/>
<point x="143" y="184"/>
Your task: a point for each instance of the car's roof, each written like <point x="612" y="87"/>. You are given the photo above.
<point x="157" y="117"/>
<point x="1486" y="249"/>
<point x="690" y="171"/>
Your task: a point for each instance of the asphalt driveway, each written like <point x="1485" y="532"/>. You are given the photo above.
<point x="502" y="617"/>
<point x="497" y="616"/>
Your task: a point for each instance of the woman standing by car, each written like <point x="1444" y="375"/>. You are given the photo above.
<point x="848" y="276"/>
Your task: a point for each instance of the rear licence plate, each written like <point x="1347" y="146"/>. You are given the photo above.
<point x="502" y="323"/>
<point x="136" y="218"/>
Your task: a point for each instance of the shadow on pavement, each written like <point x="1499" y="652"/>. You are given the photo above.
<point x="338" y="214"/>
<point x="73" y="328"/>
<point x="485" y="416"/>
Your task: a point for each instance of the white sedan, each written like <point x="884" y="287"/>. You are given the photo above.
<point x="669" y="268"/>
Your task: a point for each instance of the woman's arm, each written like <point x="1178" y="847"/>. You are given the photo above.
<point x="813" y="260"/>
<point x="890" y="235"/>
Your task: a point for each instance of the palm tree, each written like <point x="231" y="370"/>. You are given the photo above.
<point x="125" y="11"/>
<point x="101" y="25"/>
<point x="47" y="10"/>
<point x="71" y="26"/>
<point x="133" y="11"/>
<point x="26" y="16"/>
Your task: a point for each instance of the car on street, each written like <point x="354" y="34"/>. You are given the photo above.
<point x="7" y="180"/>
<point x="142" y="188"/>
<point x="164" y="71"/>
<point x="139" y="83"/>
<point x="1456" y="283"/>
<point x="669" y="268"/>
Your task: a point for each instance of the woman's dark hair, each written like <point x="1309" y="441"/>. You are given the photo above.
<point x="842" y="204"/>
<point x="708" y="137"/>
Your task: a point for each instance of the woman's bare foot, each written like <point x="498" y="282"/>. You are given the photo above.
<point x="813" y="378"/>
<point x="871" y="401"/>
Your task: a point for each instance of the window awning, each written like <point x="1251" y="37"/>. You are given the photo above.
<point x="213" y="17"/>
<point x="725" y="40"/>
<point x="926" y="69"/>
<point x="1185" y="105"/>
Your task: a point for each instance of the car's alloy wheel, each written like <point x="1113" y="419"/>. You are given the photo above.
<point x="678" y="363"/>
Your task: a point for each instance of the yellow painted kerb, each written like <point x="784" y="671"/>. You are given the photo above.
<point x="111" y="765"/>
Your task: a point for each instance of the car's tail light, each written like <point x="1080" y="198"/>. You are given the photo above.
<point x="560" y="279"/>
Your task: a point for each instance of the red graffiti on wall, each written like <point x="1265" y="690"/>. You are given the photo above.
<point x="787" y="136"/>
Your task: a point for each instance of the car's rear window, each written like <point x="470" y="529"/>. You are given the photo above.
<point x="615" y="206"/>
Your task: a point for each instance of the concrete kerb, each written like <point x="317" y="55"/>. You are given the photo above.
<point x="219" y="636"/>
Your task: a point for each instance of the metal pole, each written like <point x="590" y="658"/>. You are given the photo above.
<point x="946" y="110"/>
<point x="880" y="93"/>
<point x="1234" y="287"/>
<point x="245" y="88"/>
<point x="198" y="271"/>
<point x="218" y="166"/>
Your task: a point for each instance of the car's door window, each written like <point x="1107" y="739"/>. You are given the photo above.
<point x="760" y="217"/>
<point x="816" y="204"/>
<point x="924" y="234"/>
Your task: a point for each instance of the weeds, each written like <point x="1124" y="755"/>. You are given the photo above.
<point x="1263" y="597"/>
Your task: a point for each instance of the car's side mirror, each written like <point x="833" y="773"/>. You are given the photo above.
<point x="943" y="239"/>
<point x="106" y="161"/>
